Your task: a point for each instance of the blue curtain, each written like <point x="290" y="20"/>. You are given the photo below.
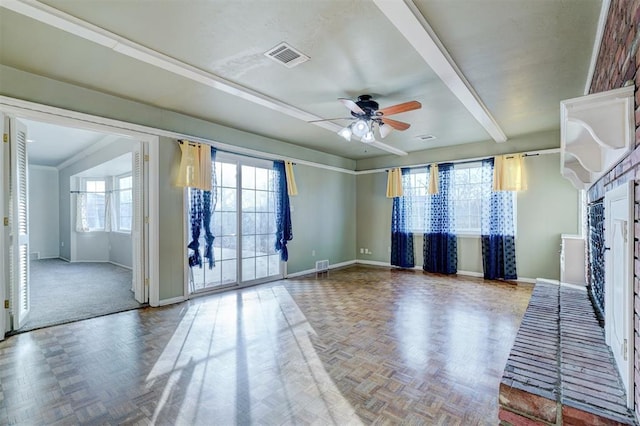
<point x="201" y="207"/>
<point x="498" y="236"/>
<point x="195" y="216"/>
<point x="440" y="247"/>
<point x="284" y="231"/>
<point x="401" y="237"/>
<point x="209" y="201"/>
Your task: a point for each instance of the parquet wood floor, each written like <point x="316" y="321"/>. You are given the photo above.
<point x="360" y="346"/>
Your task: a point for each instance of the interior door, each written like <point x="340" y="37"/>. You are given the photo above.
<point x="619" y="281"/>
<point x="18" y="223"/>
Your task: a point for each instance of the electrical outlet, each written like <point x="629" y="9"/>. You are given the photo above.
<point x="361" y="251"/>
<point x="61" y="243"/>
<point x="313" y="253"/>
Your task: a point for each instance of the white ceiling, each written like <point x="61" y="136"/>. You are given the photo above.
<point x="51" y="145"/>
<point x="482" y="69"/>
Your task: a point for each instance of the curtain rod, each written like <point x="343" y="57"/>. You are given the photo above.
<point x="100" y="192"/>
<point x="465" y="160"/>
<point x="226" y="151"/>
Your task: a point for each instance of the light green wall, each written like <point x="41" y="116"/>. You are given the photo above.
<point x="30" y="87"/>
<point x="374" y="217"/>
<point x="532" y="142"/>
<point x="172" y="222"/>
<point x="548" y="208"/>
<point x="323" y="218"/>
<point x="324" y="212"/>
<point x="336" y="213"/>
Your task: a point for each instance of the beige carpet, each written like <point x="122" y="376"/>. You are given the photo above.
<point x="62" y="291"/>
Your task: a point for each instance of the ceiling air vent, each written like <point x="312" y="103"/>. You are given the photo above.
<point x="286" y="55"/>
<point x="426" y="137"/>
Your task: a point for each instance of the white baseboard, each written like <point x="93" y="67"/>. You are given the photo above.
<point x="547" y="281"/>
<point x="373" y="263"/>
<point x="121" y="265"/>
<point x="173" y="300"/>
<point x="471" y="274"/>
<point x="313" y="271"/>
<point x="419" y="268"/>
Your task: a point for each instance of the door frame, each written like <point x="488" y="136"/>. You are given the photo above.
<point x="29" y="110"/>
<point x="239" y="160"/>
<point x="624" y="191"/>
<point x="4" y="270"/>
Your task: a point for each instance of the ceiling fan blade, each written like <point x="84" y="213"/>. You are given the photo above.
<point x="353" y="107"/>
<point x="397" y="109"/>
<point x="330" y="119"/>
<point x="398" y="125"/>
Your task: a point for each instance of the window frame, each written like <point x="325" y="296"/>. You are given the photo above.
<point x="85" y="181"/>
<point x="468" y="232"/>
<point x="118" y="190"/>
<point x="465" y="233"/>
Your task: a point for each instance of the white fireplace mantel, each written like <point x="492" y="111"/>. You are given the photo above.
<point x="597" y="131"/>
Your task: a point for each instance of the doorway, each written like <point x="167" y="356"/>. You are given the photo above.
<point x="64" y="273"/>
<point x="243" y="222"/>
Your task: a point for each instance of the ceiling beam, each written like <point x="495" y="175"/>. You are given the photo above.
<point x="406" y="17"/>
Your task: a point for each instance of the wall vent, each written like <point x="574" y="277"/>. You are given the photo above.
<point x="286" y="55"/>
<point x="322" y="265"/>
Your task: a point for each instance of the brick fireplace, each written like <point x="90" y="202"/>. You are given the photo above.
<point x="560" y="370"/>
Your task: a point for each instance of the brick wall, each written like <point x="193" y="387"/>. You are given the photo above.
<point x="617" y="63"/>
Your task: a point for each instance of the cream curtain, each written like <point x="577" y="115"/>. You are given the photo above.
<point x="394" y="183"/>
<point x="195" y="166"/>
<point x="433" y="180"/>
<point x="109" y="213"/>
<point x="508" y="173"/>
<point x="81" y="213"/>
<point x="292" y="188"/>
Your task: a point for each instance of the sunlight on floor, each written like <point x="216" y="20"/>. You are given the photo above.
<point x="256" y="347"/>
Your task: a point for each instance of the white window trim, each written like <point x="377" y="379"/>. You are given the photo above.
<point x="83" y="184"/>
<point x="116" y="185"/>
<point x="476" y="233"/>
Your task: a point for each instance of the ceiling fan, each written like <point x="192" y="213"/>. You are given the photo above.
<point x="367" y="116"/>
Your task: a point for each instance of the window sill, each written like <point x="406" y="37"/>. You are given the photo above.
<point x="463" y="235"/>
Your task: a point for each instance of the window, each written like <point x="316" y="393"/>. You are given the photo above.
<point x="95" y="208"/>
<point x="467" y="191"/>
<point x="243" y="223"/>
<point x="467" y="186"/>
<point x="415" y="185"/>
<point x="124" y="201"/>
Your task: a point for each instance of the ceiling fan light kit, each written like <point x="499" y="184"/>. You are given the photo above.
<point x="346" y="132"/>
<point x="367" y="115"/>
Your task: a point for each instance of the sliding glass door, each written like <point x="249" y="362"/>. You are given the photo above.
<point x="243" y="223"/>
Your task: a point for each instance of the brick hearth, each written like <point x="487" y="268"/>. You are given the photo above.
<point x="560" y="370"/>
